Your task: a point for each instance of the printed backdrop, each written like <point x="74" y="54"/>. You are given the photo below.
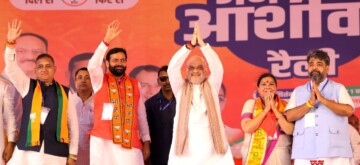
<point x="250" y="36"/>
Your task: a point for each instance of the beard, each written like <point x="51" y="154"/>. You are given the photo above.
<point x="316" y="76"/>
<point x="117" y="70"/>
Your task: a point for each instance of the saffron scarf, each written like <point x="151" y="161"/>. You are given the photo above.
<point x="62" y="130"/>
<point x="260" y="150"/>
<point x="215" y="122"/>
<point x="123" y="114"/>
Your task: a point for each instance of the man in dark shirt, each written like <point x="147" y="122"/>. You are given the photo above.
<point x="160" y="110"/>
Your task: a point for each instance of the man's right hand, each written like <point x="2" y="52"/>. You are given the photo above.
<point x="313" y="96"/>
<point x="14" y="31"/>
<point x="112" y="31"/>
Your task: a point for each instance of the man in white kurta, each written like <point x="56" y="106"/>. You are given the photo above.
<point x="199" y="148"/>
<point x="102" y="148"/>
<point x="22" y="84"/>
<point x="7" y="116"/>
<point x="83" y="104"/>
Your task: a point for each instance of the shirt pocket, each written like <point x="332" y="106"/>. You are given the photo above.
<point x="298" y="138"/>
<point x="338" y="138"/>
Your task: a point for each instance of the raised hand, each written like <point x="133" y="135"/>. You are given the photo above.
<point x="14" y="30"/>
<point x="198" y="36"/>
<point x="112" y="31"/>
<point x="193" y="38"/>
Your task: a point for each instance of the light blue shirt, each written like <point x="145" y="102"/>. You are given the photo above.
<point x="330" y="135"/>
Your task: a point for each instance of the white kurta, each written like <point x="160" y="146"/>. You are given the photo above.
<point x="85" y="113"/>
<point x="104" y="151"/>
<point x="199" y="149"/>
<point x="355" y="144"/>
<point x="21" y="83"/>
<point x="7" y="115"/>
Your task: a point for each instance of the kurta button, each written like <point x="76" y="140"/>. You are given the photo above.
<point x="316" y="134"/>
<point x="316" y="115"/>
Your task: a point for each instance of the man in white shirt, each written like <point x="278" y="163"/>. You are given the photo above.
<point x="83" y="103"/>
<point x="48" y="132"/>
<point x="120" y="134"/>
<point x="7" y="115"/>
<point x="198" y="133"/>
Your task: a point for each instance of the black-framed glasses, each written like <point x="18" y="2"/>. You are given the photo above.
<point x="163" y="78"/>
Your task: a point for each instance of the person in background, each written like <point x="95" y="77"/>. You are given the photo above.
<point x="28" y="47"/>
<point x="83" y="103"/>
<point x="354" y="138"/>
<point x="147" y="77"/>
<point x="76" y="62"/>
<point x="160" y="112"/>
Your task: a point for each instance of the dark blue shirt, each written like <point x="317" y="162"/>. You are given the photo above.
<point x="160" y="115"/>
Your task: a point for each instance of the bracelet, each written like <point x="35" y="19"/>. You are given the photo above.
<point x="107" y="44"/>
<point x="308" y="104"/>
<point x="190" y="46"/>
<point x="8" y="43"/>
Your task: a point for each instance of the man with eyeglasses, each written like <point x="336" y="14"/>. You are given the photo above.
<point x="28" y="47"/>
<point x="160" y="110"/>
<point x="48" y="131"/>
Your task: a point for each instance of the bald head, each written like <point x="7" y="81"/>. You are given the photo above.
<point x="196" y="69"/>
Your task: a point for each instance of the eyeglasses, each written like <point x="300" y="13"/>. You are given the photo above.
<point x="163" y="78"/>
<point x="47" y="66"/>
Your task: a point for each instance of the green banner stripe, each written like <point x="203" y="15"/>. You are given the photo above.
<point x="353" y="90"/>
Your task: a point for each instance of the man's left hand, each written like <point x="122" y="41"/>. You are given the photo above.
<point x="318" y="94"/>
<point x="70" y="161"/>
<point x="9" y="150"/>
<point x="146" y="150"/>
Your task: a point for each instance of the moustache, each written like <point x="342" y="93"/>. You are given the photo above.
<point x="119" y="67"/>
<point x="314" y="71"/>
